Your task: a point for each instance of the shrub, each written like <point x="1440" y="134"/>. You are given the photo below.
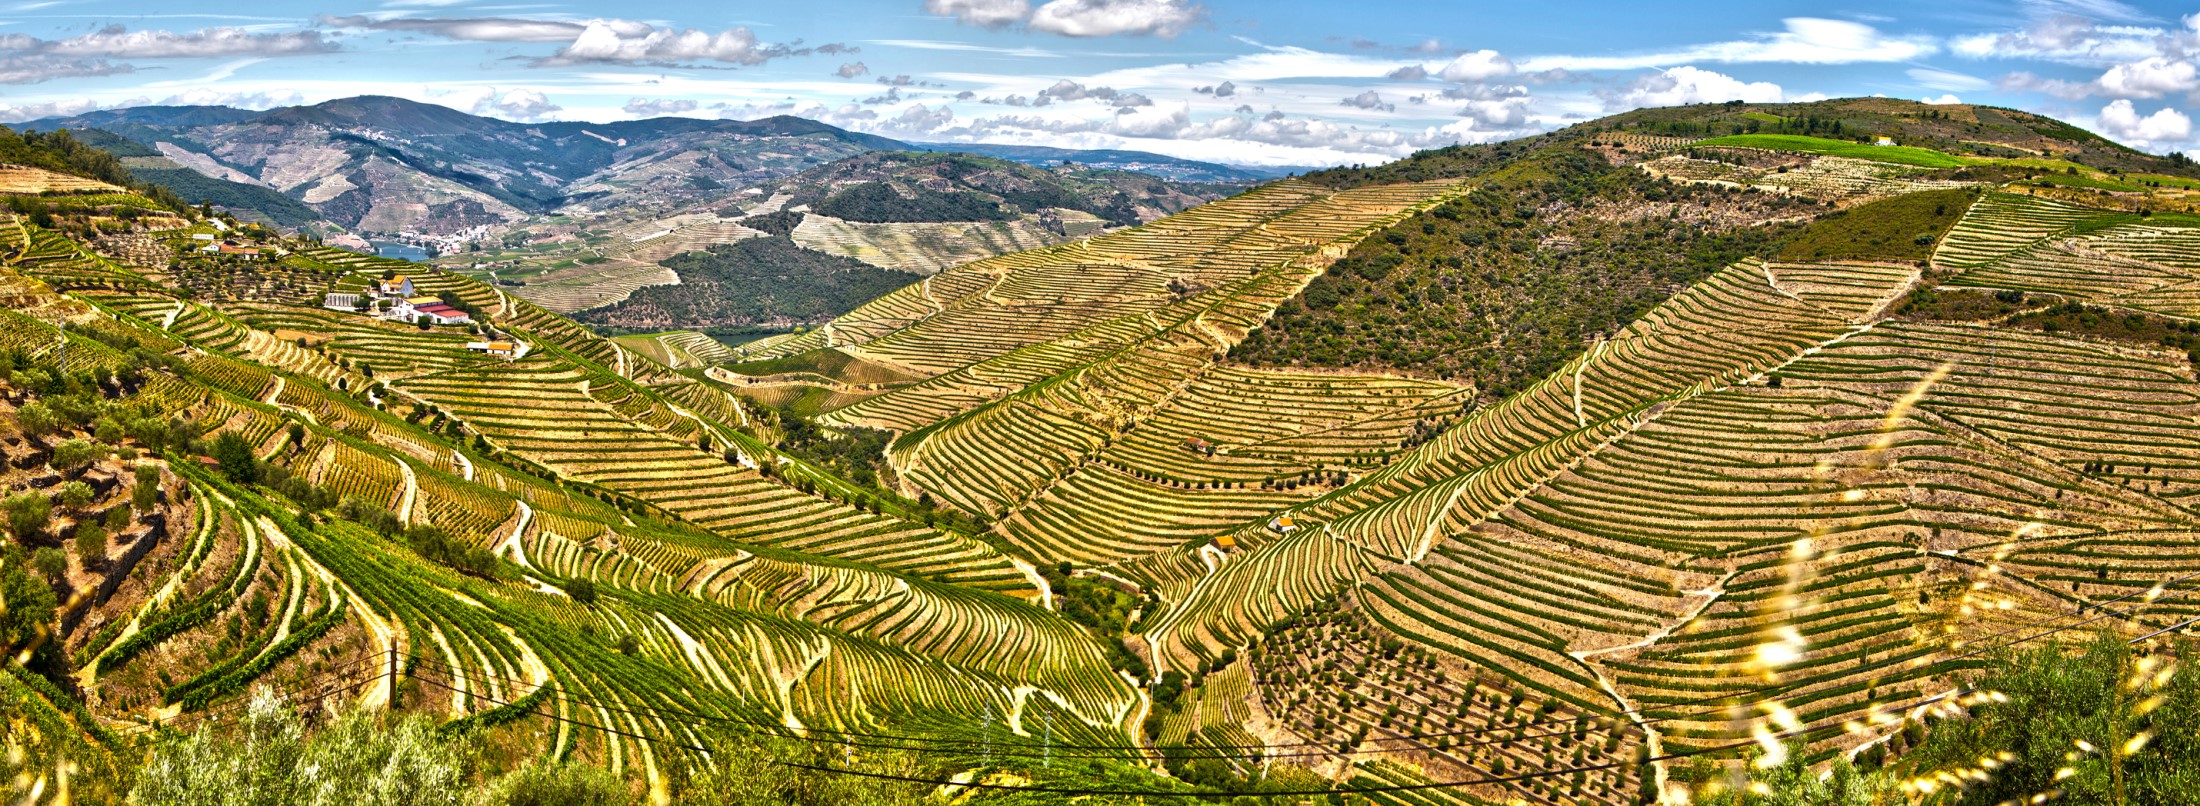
<point x="76" y="494"/>
<point x="91" y="542"/>
<point x="27" y="514"/>
<point x="76" y="454"/>
<point x="582" y="589"/>
<point x="556" y="785"/>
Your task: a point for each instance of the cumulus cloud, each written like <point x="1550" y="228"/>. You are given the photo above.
<point x="658" y="107"/>
<point x="2026" y="81"/>
<point x="59" y="109"/>
<point x="1076" y="18"/>
<point x="1480" y="65"/>
<point x="902" y="80"/>
<point x="1067" y="90"/>
<point x="1222" y="90"/>
<point x="852" y="70"/>
<point x="1806" y="40"/>
<point x="1943" y="100"/>
<point x="982" y="13"/>
<point x="1369" y="100"/>
<point x="2120" y="120"/>
<point x="1688" y="85"/>
<point x="527" y="106"/>
<point x="2151" y="77"/>
<point x="1411" y="72"/>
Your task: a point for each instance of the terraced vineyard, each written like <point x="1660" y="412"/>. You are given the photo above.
<point x="1027" y="506"/>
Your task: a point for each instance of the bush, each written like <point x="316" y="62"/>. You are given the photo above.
<point x="51" y="564"/>
<point x="556" y="785"/>
<point x="582" y="589"/>
<point x="76" y="494"/>
<point x="76" y="454"/>
<point x="268" y="759"/>
<point x="236" y="458"/>
<point x="91" y="542"/>
<point x="27" y="514"/>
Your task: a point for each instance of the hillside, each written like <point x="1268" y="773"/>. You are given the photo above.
<point x="1171" y="168"/>
<point x="385" y="166"/>
<point x="757" y="281"/>
<point x="1722" y="488"/>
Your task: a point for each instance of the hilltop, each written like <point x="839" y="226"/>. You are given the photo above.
<point x="1765" y="443"/>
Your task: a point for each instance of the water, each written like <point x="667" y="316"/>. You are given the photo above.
<point x="400" y="251"/>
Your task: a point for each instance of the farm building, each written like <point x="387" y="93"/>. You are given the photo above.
<point x="501" y="349"/>
<point x="340" y="302"/>
<point x="1199" y="446"/>
<point x="398" y="287"/>
<point x="441" y="314"/>
<point x="1283" y="524"/>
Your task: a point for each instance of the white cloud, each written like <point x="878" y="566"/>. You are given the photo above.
<point x="602" y="40"/>
<point x="982" y="13"/>
<point x="659" y="107"/>
<point x="852" y="70"/>
<point x="203" y="96"/>
<point x="1371" y="100"/>
<point x="524" y="105"/>
<point x="1688" y="85"/>
<point x="58" y="109"/>
<point x="1806" y="40"/>
<point x="476" y="29"/>
<point x="1946" y="80"/>
<point x="32" y="68"/>
<point x="1411" y="72"/>
<point x="2120" y="120"/>
<point x="2151" y="77"/>
<point x="1943" y="100"/>
<point x="1085" y="18"/>
<point x="1481" y="65"/>
<point x="1076" y="18"/>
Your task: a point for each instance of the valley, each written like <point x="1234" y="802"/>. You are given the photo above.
<point x="1593" y="467"/>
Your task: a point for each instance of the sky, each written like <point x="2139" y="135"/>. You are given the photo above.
<point x="1254" y="82"/>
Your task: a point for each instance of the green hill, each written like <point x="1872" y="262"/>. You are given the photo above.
<point x="1571" y="469"/>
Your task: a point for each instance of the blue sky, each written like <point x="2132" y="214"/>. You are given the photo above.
<point x="1274" y="82"/>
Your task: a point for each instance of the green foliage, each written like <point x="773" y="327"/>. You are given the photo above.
<point x="758" y="771"/>
<point x="91" y="542"/>
<point x="552" y="784"/>
<point x="27" y="514"/>
<point x="1899" y="155"/>
<point x="749" y="282"/>
<point x="1959" y="306"/>
<point x="50" y="563"/>
<point x="1793" y="783"/>
<point x="268" y="758"/>
<point x="236" y="458"/>
<point x="36" y="418"/>
<point x="76" y="454"/>
<point x="1517" y="265"/>
<point x="582" y="589"/>
<point x="29" y="614"/>
<point x="76" y="494"/>
<point x="1905" y="227"/>
<point x="2058" y="698"/>
<point x="780" y="223"/>
<point x="2080" y="319"/>
<point x="63" y="152"/>
<point x="883" y="203"/>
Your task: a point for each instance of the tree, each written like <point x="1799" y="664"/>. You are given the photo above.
<point x="74" y="455"/>
<point x="2059" y="698"/>
<point x="36" y="418"/>
<point x="51" y="564"/>
<point x="582" y="589"/>
<point x="27" y="514"/>
<point x="548" y="784"/>
<point x="268" y="759"/>
<point x="236" y="458"/>
<point x="145" y="493"/>
<point x="76" y="494"/>
<point x="91" y="542"/>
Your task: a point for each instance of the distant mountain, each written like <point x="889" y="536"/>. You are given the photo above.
<point x="1166" y="167"/>
<point x="388" y="165"/>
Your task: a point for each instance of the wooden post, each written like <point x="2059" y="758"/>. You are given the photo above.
<point x="393" y="675"/>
